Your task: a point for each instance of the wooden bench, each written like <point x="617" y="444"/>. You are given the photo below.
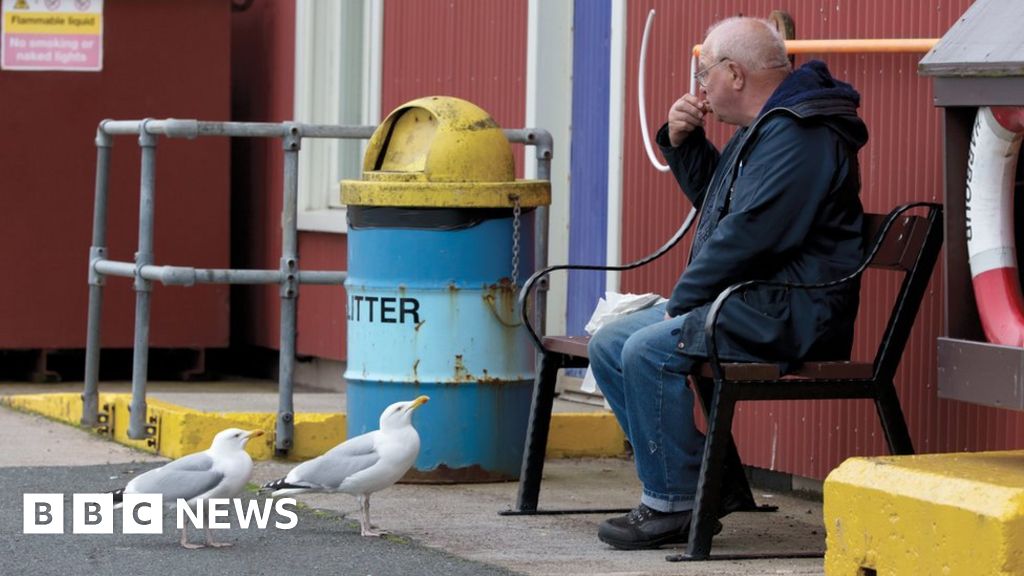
<point x="900" y="242"/>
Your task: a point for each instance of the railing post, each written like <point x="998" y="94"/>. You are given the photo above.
<point x="98" y="251"/>
<point x="143" y="288"/>
<point x="289" y="290"/>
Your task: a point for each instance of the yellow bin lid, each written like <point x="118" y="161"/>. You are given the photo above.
<point x="441" y="151"/>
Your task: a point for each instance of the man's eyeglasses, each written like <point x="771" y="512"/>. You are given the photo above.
<point x="702" y="76"/>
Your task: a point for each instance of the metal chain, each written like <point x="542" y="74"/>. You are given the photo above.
<point x="516" y="212"/>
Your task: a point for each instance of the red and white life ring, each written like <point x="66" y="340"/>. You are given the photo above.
<point x="991" y="164"/>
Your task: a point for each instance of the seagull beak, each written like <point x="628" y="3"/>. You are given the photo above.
<point x="418" y="402"/>
<point x="254" y="434"/>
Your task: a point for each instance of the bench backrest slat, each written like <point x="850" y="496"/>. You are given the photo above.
<point x="901" y="245"/>
<point x="912" y="247"/>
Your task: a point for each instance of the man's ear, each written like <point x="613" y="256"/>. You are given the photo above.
<point x="738" y="79"/>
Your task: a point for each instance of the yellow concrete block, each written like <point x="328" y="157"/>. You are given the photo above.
<point x="316" y="434"/>
<point x="592" y="434"/>
<point x="933" y="514"/>
<point x="182" y="431"/>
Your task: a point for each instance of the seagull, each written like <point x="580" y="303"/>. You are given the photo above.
<point x="221" y="471"/>
<point x="361" y="465"/>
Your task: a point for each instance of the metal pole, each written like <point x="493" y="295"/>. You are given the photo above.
<point x="140" y="359"/>
<point x="188" y="276"/>
<point x="98" y="250"/>
<point x="543" y="142"/>
<point x="175" y="128"/>
<point x="289" y="290"/>
<point x="288" y="276"/>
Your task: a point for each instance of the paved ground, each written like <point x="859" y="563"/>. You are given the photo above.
<point x="437" y="529"/>
<point x="321" y="541"/>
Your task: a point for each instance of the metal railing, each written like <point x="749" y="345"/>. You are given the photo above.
<point x="288" y="276"/>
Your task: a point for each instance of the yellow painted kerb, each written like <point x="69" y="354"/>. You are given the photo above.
<point x="182" y="431"/>
<point x="949" y="514"/>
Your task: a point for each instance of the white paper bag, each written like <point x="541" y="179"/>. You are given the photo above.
<point x="612" y="307"/>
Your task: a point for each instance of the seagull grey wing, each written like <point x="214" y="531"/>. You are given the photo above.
<point x="199" y="462"/>
<point x="186" y="477"/>
<point x="340" y="462"/>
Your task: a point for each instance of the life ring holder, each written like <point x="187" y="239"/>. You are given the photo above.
<point x="991" y="246"/>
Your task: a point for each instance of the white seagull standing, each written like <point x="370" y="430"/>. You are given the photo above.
<point x="362" y="465"/>
<point x="221" y="471"/>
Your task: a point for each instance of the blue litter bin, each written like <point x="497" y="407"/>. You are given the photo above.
<point x="440" y="237"/>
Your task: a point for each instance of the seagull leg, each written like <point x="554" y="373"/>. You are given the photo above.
<point x="210" y="542"/>
<point x="184" y="540"/>
<point x="365" y="528"/>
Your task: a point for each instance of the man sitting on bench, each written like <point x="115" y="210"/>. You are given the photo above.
<point x="780" y="202"/>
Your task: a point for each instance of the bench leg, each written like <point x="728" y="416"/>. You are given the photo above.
<point x="893" y="423"/>
<point x="537" y="432"/>
<point x="709" y="485"/>
<point x="736" y="487"/>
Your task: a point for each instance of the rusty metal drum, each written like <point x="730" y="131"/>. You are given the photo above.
<point x="440" y="236"/>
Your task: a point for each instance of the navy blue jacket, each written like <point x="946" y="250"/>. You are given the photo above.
<point x="780" y="202"/>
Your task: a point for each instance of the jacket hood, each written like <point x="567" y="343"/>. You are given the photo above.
<point x="811" y="92"/>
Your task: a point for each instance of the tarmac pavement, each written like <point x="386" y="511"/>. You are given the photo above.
<point x="436" y="529"/>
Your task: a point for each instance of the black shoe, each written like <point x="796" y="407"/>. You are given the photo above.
<point x="645" y="528"/>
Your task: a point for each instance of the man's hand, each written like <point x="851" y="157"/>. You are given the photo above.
<point x="685" y="115"/>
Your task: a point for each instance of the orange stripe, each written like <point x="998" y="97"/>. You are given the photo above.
<point x="854" y="45"/>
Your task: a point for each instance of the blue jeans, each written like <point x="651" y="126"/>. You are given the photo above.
<point x="638" y="368"/>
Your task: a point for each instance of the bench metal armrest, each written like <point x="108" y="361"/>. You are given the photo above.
<point x="524" y="292"/>
<point x="711" y="322"/>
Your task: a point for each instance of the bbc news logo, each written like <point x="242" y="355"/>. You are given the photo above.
<point x="143" y="513"/>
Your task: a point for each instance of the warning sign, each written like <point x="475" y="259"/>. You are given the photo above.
<point x="51" y="35"/>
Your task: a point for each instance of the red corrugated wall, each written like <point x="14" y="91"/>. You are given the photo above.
<point x="263" y="71"/>
<point x="902" y="162"/>
<point x="152" y="67"/>
<point x="472" y="49"/>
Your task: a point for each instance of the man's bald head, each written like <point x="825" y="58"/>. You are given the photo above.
<point x="753" y="63"/>
<point x="752" y="42"/>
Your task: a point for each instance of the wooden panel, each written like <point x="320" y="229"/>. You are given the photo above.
<point x="571" y="345"/>
<point x="985" y="42"/>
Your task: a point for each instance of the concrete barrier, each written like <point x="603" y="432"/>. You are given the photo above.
<point x="935" y="514"/>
